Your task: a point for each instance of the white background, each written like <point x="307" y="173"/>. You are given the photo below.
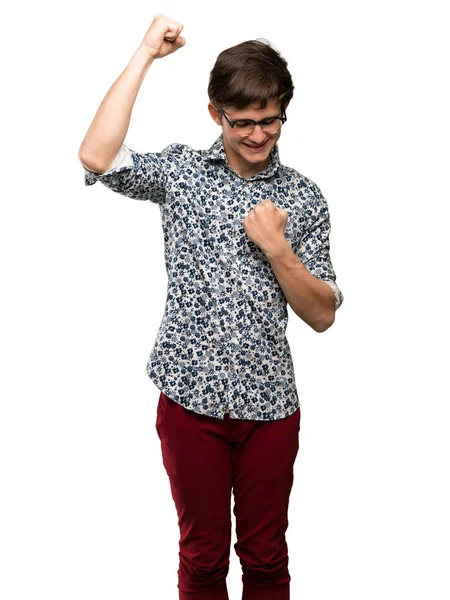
<point x="86" y="509"/>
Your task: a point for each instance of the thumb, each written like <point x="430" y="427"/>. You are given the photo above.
<point x="180" y="41"/>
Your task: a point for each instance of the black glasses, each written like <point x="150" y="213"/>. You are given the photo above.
<point x="245" y="127"/>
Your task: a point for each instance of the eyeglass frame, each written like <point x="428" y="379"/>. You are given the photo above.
<point x="283" y="120"/>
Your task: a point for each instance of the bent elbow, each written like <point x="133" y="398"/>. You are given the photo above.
<point x="326" y="323"/>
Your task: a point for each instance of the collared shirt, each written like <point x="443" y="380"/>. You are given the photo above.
<point x="221" y="344"/>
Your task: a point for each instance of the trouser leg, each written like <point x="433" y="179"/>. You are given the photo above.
<point x="197" y="459"/>
<point x="263" y="458"/>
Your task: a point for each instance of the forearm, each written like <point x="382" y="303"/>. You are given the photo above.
<point x="107" y="131"/>
<point x="310" y="298"/>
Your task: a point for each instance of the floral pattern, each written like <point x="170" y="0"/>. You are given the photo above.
<point x="221" y="344"/>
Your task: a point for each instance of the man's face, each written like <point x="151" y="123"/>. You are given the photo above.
<point x="243" y="153"/>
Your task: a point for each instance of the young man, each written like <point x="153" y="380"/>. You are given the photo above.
<point x="244" y="235"/>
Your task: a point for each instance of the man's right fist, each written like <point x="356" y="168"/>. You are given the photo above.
<point x="163" y="37"/>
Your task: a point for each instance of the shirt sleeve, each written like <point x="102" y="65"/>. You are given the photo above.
<point x="314" y="246"/>
<point x="136" y="175"/>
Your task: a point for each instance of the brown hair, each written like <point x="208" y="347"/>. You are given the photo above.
<point x="249" y="72"/>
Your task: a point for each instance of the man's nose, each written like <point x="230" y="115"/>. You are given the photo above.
<point x="257" y="136"/>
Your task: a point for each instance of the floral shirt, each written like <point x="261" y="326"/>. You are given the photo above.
<point x="221" y="344"/>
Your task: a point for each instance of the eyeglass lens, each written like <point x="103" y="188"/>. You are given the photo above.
<point x="269" y="126"/>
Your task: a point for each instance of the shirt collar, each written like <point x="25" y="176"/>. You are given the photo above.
<point x="217" y="152"/>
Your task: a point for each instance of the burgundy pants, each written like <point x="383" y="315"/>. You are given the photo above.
<point x="206" y="459"/>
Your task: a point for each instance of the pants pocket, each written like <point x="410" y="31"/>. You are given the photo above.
<point x="159" y="416"/>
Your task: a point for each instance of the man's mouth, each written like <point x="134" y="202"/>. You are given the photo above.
<point x="255" y="148"/>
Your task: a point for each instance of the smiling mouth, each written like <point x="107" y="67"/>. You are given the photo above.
<point x="260" y="146"/>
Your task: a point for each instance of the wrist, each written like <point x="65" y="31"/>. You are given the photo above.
<point x="278" y="249"/>
<point x="145" y="53"/>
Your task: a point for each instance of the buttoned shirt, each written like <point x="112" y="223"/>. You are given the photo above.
<point x="221" y="344"/>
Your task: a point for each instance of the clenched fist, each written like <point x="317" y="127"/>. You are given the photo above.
<point x="163" y="37"/>
<point x="265" y="225"/>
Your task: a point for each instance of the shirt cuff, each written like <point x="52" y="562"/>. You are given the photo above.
<point x="339" y="298"/>
<point x="123" y="160"/>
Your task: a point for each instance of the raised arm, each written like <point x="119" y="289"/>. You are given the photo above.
<point x="107" y="132"/>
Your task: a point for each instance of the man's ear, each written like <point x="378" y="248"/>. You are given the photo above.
<point x="215" y="115"/>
